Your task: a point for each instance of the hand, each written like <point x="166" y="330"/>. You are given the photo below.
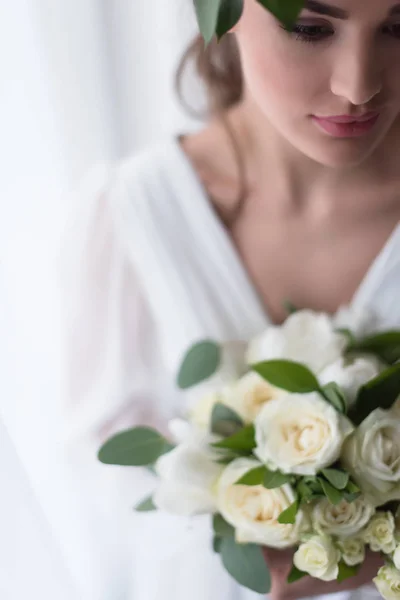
<point x="280" y="563"/>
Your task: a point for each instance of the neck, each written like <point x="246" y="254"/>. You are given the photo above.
<point x="273" y="163"/>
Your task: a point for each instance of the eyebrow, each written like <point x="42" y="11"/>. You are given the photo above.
<point x="335" y="12"/>
<point x="327" y="9"/>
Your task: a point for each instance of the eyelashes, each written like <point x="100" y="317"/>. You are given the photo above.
<point x="313" y="34"/>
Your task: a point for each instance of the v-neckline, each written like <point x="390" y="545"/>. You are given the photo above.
<point x="245" y="283"/>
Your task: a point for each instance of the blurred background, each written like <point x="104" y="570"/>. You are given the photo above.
<point x="83" y="83"/>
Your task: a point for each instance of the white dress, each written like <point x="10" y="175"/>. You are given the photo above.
<point x="153" y="271"/>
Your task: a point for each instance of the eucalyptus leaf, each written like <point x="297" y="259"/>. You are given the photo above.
<point x="288" y="375"/>
<point x="137" y="447"/>
<point x="243" y="441"/>
<point x="253" y="477"/>
<point x="275" y="479"/>
<point x="288" y="516"/>
<point x="386" y="345"/>
<point x="217" y="544"/>
<point x="287" y="11"/>
<point x="334" y="496"/>
<point x="295" y="574"/>
<point x="229" y="14"/>
<point x="246" y="564"/>
<point x="339" y="479"/>
<point x="345" y="571"/>
<point x="200" y="363"/>
<point x="146" y="505"/>
<point x="380" y="392"/>
<point x="207" y="12"/>
<point x="225" y="421"/>
<point x="221" y="527"/>
<point x="334" y="395"/>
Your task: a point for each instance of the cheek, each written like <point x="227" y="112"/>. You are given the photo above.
<point x="279" y="73"/>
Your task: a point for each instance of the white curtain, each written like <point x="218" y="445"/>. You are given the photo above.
<point x="82" y="82"/>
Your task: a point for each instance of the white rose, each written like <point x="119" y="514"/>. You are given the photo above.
<point x="350" y="377"/>
<point x="372" y="456"/>
<point x="248" y="396"/>
<point x="300" y="434"/>
<point x="388" y="583"/>
<point x="306" y="337"/>
<point x="396" y="558"/>
<point x="201" y="412"/>
<point x="319" y="558"/>
<point x="379" y="533"/>
<point x="188" y="479"/>
<point x="343" y="520"/>
<point x="361" y="321"/>
<point x="352" y="550"/>
<point x="254" y="510"/>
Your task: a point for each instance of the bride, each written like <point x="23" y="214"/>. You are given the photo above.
<point x="290" y="192"/>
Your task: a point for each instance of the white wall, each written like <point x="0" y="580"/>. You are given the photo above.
<point x="82" y="81"/>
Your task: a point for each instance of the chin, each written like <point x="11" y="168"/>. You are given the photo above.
<point x="338" y="153"/>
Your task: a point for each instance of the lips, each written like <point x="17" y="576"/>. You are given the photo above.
<point x="347" y="126"/>
<point x="350" y="118"/>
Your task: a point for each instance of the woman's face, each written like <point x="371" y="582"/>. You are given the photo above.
<point x="342" y="60"/>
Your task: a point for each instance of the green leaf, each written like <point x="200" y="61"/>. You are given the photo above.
<point x="288" y="516"/>
<point x="289" y="307"/>
<point x="217" y="544"/>
<point x="288" y="375"/>
<point x="287" y="11"/>
<point x="275" y="479"/>
<point x="295" y="574"/>
<point x="339" y="479"/>
<point x="345" y="572"/>
<point x="385" y="345"/>
<point x="137" y="447"/>
<point x="222" y="528"/>
<point x="243" y="441"/>
<point x="207" y="17"/>
<point x="230" y="13"/>
<point x="334" y="395"/>
<point x="246" y="564"/>
<point x="253" y="477"/>
<point x="225" y="421"/>
<point x="352" y="492"/>
<point x="146" y="505"/>
<point x="200" y="363"/>
<point x="380" y="392"/>
<point x="334" y="496"/>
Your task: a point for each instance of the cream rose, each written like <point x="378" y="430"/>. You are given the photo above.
<point x="372" y="456"/>
<point x="396" y="558"/>
<point x="318" y="557"/>
<point x="343" y="520"/>
<point x="350" y="377"/>
<point x="188" y="476"/>
<point x="388" y="583"/>
<point x="379" y="533"/>
<point x="306" y="337"/>
<point x="352" y="550"/>
<point x="254" y="510"/>
<point x="249" y="395"/>
<point x="300" y="434"/>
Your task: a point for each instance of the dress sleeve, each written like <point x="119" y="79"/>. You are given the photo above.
<point x="111" y="366"/>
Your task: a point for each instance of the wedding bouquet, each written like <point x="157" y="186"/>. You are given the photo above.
<point x="301" y="449"/>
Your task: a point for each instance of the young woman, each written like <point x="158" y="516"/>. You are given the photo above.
<point x="290" y="192"/>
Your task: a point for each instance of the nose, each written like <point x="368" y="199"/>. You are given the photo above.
<point x="356" y="75"/>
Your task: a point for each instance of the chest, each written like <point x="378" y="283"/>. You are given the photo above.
<point x="316" y="266"/>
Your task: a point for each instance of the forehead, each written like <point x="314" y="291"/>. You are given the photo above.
<point x="354" y="8"/>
